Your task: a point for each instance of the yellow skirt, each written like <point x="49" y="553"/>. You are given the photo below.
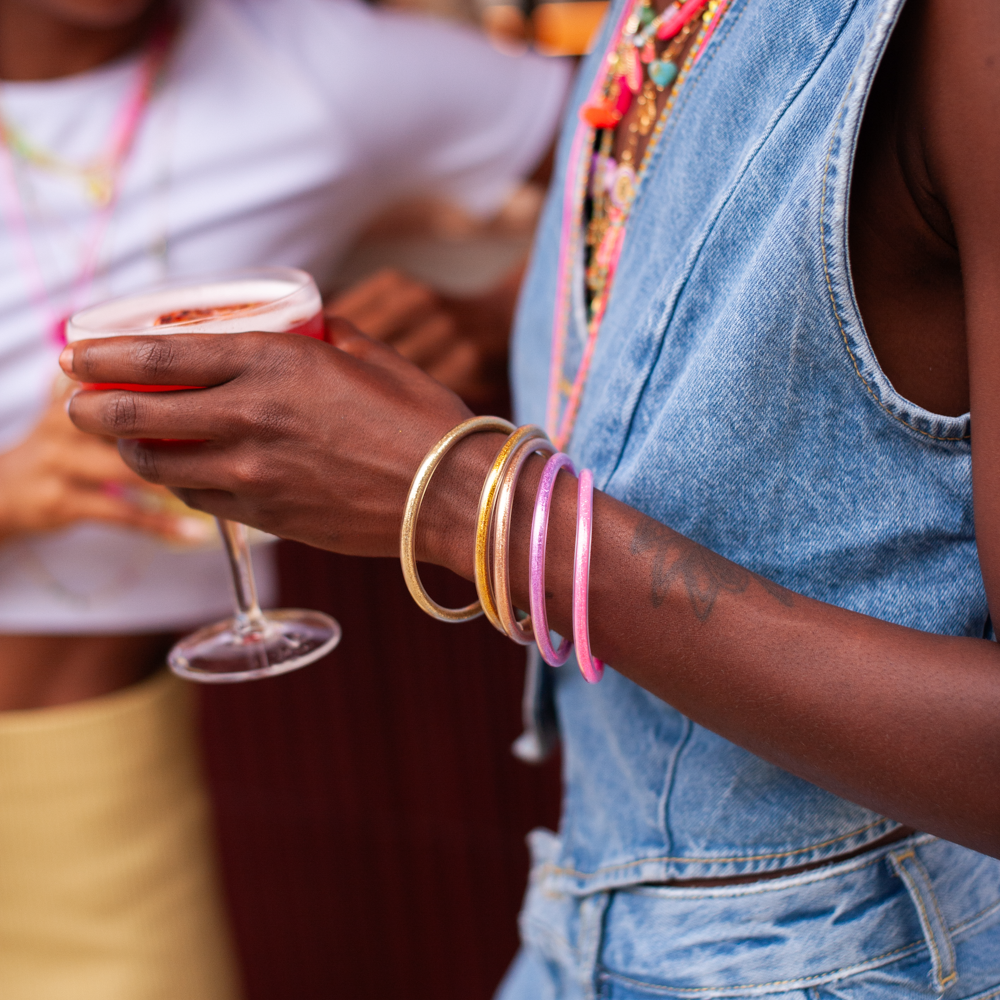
<point x="108" y="886"/>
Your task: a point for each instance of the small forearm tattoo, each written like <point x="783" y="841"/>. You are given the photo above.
<point x="703" y="574"/>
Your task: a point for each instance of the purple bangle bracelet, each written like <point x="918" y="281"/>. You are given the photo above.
<point x="591" y="668"/>
<point x="536" y="562"/>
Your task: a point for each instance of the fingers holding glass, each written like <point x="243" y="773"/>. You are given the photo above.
<point x="167" y="360"/>
<point x="164" y="350"/>
<point x="170" y="417"/>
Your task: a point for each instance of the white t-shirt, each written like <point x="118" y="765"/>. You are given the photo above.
<point x="282" y="128"/>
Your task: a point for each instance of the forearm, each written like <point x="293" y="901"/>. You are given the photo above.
<point x="902" y="721"/>
<point x="899" y="720"/>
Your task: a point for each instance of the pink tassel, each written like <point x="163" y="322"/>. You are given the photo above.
<point x="673" y="25"/>
<point x="624" y="101"/>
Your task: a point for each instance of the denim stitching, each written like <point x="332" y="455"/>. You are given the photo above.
<point x="930" y="930"/>
<point x="986" y="996"/>
<point x="944" y="927"/>
<point x="829" y="281"/>
<point x="666" y="315"/>
<point x="670" y="125"/>
<point x="918" y="897"/>
<point x="747" y="857"/>
<point x="590" y="940"/>
<point x="666" y="124"/>
<point x="913" y="946"/>
<point x="769" y="886"/>
<point x="969" y="921"/>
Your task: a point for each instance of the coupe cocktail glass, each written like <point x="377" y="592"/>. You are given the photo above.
<point x="253" y="643"/>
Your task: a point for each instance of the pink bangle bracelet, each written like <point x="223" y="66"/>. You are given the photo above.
<point x="521" y="632"/>
<point x="591" y="668"/>
<point x="536" y="562"/>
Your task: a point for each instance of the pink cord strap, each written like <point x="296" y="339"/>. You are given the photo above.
<point x="591" y="668"/>
<point x="536" y="561"/>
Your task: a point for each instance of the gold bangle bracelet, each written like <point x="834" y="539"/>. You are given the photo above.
<point x="521" y="632"/>
<point x="408" y="532"/>
<point x="484" y="526"/>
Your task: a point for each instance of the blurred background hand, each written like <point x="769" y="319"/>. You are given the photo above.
<point x="58" y="476"/>
<point x="460" y="341"/>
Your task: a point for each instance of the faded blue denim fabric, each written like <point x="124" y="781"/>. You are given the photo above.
<point x="919" y="918"/>
<point x="735" y="397"/>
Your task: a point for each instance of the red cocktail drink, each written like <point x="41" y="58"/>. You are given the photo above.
<point x="315" y="328"/>
<point x="271" y="300"/>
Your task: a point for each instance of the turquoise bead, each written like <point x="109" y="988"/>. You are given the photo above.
<point x="662" y="73"/>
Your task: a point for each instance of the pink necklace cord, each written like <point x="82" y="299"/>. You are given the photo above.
<point x="123" y="134"/>
<point x="536" y="561"/>
<point x="591" y="668"/>
<point x="577" y="175"/>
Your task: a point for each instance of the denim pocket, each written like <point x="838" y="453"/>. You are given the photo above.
<point x="918" y="918"/>
<point x="977" y="964"/>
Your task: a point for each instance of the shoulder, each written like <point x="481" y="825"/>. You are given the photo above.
<point x="953" y="75"/>
<point x="348" y="25"/>
<point x="352" y="51"/>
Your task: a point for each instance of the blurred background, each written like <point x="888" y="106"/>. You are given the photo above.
<point x="370" y="815"/>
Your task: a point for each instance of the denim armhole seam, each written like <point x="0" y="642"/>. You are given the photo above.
<point x="834" y="231"/>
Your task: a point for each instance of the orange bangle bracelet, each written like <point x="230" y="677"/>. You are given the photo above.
<point x="484" y="525"/>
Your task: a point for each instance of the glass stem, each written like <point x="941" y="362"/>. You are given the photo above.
<point x="249" y="619"/>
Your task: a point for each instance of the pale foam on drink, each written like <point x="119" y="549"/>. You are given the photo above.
<point x="271" y="300"/>
<point x="273" y="305"/>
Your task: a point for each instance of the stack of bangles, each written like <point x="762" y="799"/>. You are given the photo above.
<point x="493" y="526"/>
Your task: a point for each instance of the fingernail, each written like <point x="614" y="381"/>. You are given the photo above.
<point x="194" y="529"/>
<point x="70" y="398"/>
<point x="66" y="361"/>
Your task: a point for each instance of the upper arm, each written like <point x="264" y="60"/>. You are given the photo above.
<point x="457" y="118"/>
<point x="425" y="107"/>
<point x="960" y="113"/>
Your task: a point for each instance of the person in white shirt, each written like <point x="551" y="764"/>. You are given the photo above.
<point x="139" y="142"/>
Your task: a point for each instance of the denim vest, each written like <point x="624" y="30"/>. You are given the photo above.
<point x="734" y="396"/>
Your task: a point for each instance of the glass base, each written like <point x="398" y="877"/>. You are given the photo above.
<point x="221" y="654"/>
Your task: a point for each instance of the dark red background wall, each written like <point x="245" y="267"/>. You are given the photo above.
<point x="370" y="814"/>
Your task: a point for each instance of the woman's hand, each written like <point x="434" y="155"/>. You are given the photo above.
<point x="303" y="439"/>
<point x="58" y="476"/>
